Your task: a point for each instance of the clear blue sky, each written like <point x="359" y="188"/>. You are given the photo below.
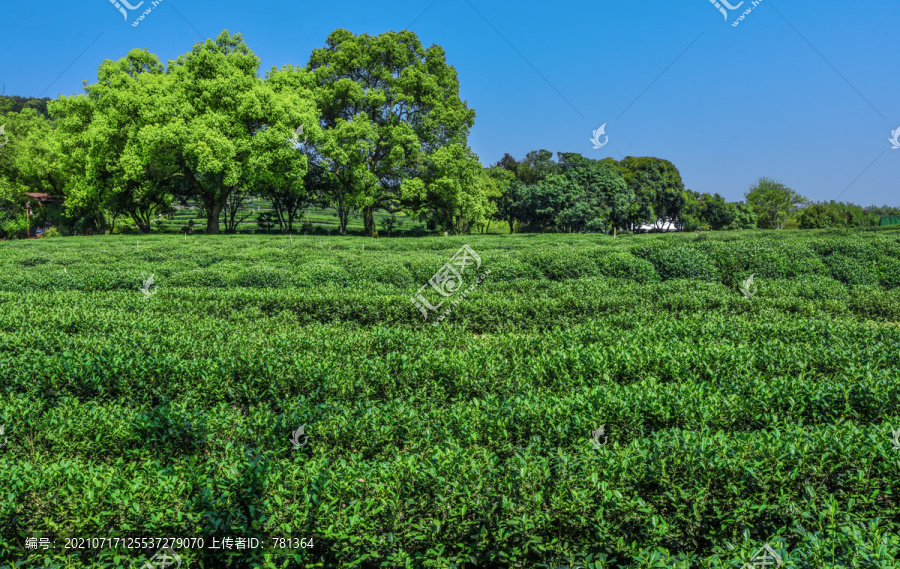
<point x="807" y="93"/>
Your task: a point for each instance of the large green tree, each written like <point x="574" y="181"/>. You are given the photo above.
<point x="657" y="187"/>
<point x="599" y="197"/>
<point x="536" y="167"/>
<point x="29" y="155"/>
<point x="104" y="137"/>
<point x="453" y="189"/>
<point x="29" y="162"/>
<point x="224" y="128"/>
<point x="506" y="199"/>
<point x="773" y="202"/>
<point x="385" y="102"/>
<point x="584" y="195"/>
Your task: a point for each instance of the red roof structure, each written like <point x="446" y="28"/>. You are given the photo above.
<point x="44" y="198"/>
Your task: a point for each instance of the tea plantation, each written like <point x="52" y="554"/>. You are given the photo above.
<point x="172" y="410"/>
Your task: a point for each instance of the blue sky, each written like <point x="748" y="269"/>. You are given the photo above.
<point x="807" y="93"/>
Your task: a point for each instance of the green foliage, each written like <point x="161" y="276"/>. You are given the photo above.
<point x="730" y="422"/>
<point x="560" y="264"/>
<point x="767" y="259"/>
<point x="414" y="111"/>
<point x="626" y="266"/>
<point x="849" y="270"/>
<point x="379" y="267"/>
<point x="455" y="192"/>
<point x="585" y="195"/>
<point x="321" y="272"/>
<point x="680" y="262"/>
<point x="742" y="215"/>
<point x="656" y="189"/>
<point x="821" y="215"/>
<point x="772" y="202"/>
<point x="267" y="220"/>
<point x="262" y="277"/>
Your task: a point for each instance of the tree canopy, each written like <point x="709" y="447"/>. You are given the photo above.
<point x="381" y="126"/>
<point x="387" y="107"/>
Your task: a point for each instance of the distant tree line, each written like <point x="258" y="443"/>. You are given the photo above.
<point x="575" y="194"/>
<point x="370" y="123"/>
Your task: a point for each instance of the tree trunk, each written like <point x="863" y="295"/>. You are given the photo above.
<point x="510" y="220"/>
<point x="343" y="219"/>
<point x="369" y="219"/>
<point x="214" y="212"/>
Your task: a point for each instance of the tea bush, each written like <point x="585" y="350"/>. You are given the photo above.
<point x="560" y="264"/>
<point x="626" y="266"/>
<point x="850" y="270"/>
<point x="680" y="262"/>
<point x="730" y="422"/>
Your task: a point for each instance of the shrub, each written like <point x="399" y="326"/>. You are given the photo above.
<point x="381" y="268"/>
<point x="888" y="271"/>
<point x="849" y="270"/>
<point x="680" y="262"/>
<point x="508" y="268"/>
<point x="321" y="272"/>
<point x="764" y="258"/>
<point x="560" y="264"/>
<point x="619" y="265"/>
<point x="262" y="277"/>
<point x="816" y="287"/>
<point x="850" y="248"/>
<point x="199" y="278"/>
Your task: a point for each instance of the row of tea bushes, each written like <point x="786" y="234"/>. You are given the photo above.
<point x="677" y="491"/>
<point x="274" y="264"/>
<point x="114" y="353"/>
<point x="729" y="422"/>
<point x="495" y="305"/>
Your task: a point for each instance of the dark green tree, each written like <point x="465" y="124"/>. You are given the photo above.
<point x="657" y="188"/>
